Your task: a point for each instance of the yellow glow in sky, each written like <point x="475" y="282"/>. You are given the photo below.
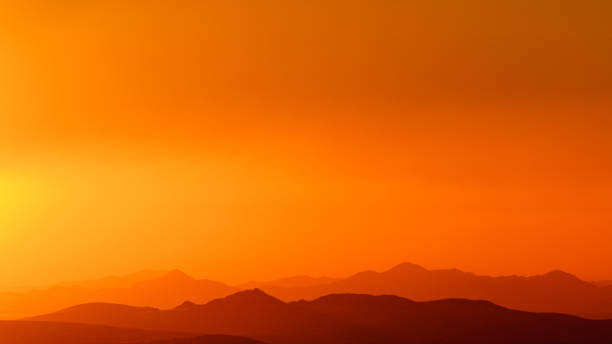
<point x="234" y="139"/>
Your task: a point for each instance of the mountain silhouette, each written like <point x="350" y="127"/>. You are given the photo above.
<point x="349" y="318"/>
<point x="459" y="320"/>
<point x="210" y="339"/>
<point x="556" y="291"/>
<point x="250" y="313"/>
<point x="248" y="298"/>
<point x="29" y="332"/>
<point x="165" y="291"/>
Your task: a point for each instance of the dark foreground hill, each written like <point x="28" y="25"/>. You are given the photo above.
<point x="459" y="321"/>
<point x="210" y="339"/>
<point x="347" y="318"/>
<point x="556" y="291"/>
<point x="30" y="332"/>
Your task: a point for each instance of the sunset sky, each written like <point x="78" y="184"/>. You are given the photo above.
<point x="241" y="140"/>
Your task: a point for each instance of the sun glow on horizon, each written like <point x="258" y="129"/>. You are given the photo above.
<point x="220" y="137"/>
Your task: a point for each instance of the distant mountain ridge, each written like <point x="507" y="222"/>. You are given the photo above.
<point x="349" y="318"/>
<point x="556" y="291"/>
<point x="164" y="291"/>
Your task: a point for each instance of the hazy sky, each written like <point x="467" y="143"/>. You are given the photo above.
<point x="246" y="140"/>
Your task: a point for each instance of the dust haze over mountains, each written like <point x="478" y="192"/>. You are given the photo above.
<point x="405" y="304"/>
<point x="212" y="127"/>
<point x="245" y="140"/>
<point x="348" y="318"/>
<point x="555" y="291"/>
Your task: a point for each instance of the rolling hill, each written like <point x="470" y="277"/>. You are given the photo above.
<point x="210" y="339"/>
<point x="27" y="332"/>
<point x="556" y="291"/>
<point x="349" y="318"/>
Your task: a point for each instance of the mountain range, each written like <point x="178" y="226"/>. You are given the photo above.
<point x="556" y="291"/>
<point x="347" y="318"/>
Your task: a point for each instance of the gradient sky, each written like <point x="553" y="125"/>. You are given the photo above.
<point x="244" y="140"/>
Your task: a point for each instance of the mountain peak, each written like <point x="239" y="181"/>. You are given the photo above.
<point x="186" y="305"/>
<point x="171" y="278"/>
<point x="251" y="297"/>
<point x="559" y="275"/>
<point x="255" y="293"/>
<point x="176" y="275"/>
<point x="407" y="267"/>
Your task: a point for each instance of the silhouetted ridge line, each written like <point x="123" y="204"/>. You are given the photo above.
<point x="164" y="291"/>
<point x="172" y="277"/>
<point x="252" y="297"/>
<point x="105" y="307"/>
<point x="556" y="291"/>
<point x="559" y="275"/>
<point x="405" y="267"/>
<point x="177" y="274"/>
<point x="187" y="305"/>
<point x="352" y="319"/>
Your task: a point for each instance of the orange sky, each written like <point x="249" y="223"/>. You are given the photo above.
<point x="249" y="141"/>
